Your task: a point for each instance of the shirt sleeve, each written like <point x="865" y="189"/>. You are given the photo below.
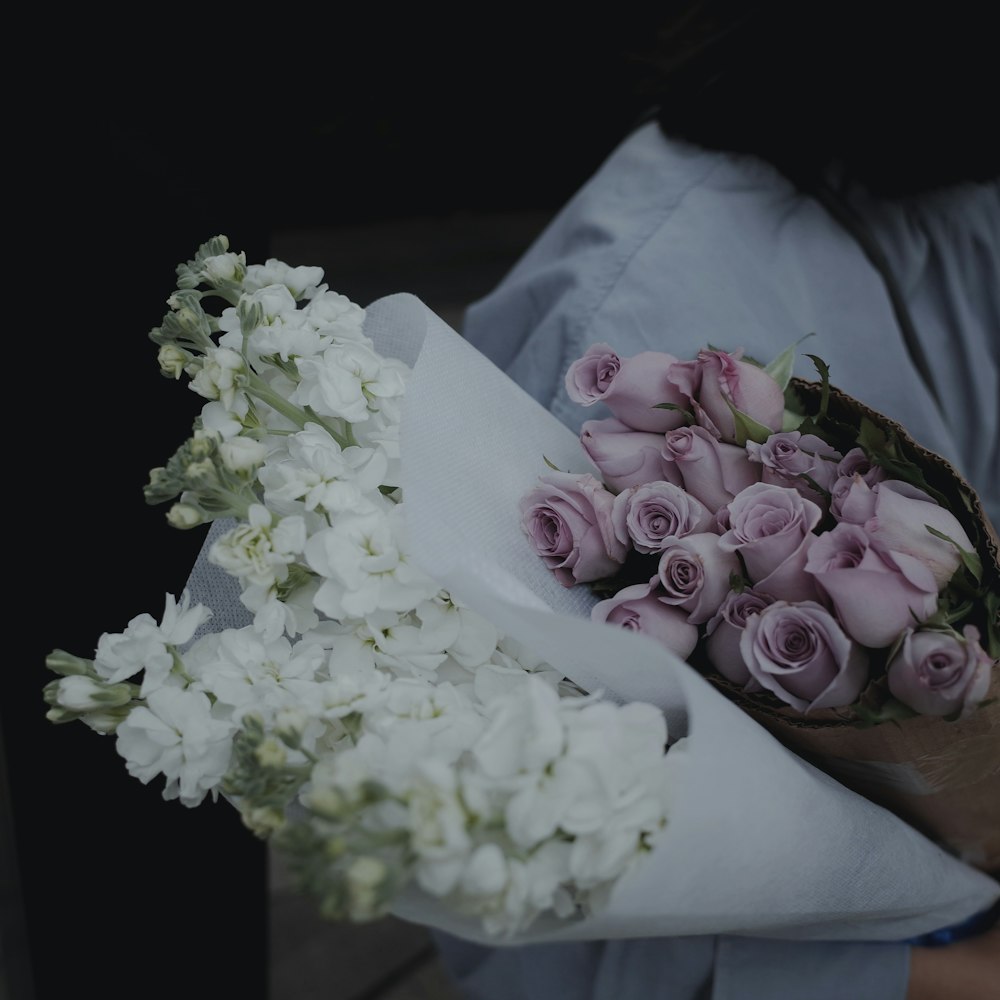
<point x="764" y="969"/>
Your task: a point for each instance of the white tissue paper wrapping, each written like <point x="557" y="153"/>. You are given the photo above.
<point x="758" y="842"/>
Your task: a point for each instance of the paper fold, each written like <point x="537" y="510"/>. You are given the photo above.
<point x="759" y="842"/>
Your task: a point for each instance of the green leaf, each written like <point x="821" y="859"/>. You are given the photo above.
<point x="780" y="369"/>
<point x="748" y="429"/>
<point x="823" y="369"/>
<point x="551" y="465"/>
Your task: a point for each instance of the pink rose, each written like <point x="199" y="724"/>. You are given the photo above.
<point x="801" y="655"/>
<point x="631" y="388"/>
<point x="569" y="521"/>
<point x="658" y="511"/>
<point x="718" y="382"/>
<point x="624" y="456"/>
<point x="899" y="522"/>
<point x="710" y="469"/>
<point x="640" y="609"/>
<point x="695" y="574"/>
<point x="789" y="456"/>
<point x="876" y="594"/>
<point x="724" y="630"/>
<point x="940" y="672"/>
<point x="771" y="528"/>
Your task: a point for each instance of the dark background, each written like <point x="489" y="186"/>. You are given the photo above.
<point x="129" y="148"/>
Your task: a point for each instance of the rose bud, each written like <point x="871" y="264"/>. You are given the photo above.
<point x="801" y="655"/>
<point x="568" y="520"/>
<point x="899" y="522"/>
<point x="724" y="630"/>
<point x="631" y="388"/>
<point x="639" y="609"/>
<point x="940" y="672"/>
<point x="875" y="593"/>
<point x="711" y="469"/>
<point x="855" y="464"/>
<point x="658" y="511"/>
<point x="626" y="457"/>
<point x="771" y="528"/>
<point x="694" y="573"/>
<point x="788" y="456"/>
<point x="718" y="380"/>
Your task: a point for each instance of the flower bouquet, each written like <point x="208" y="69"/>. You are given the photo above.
<point x="831" y="577"/>
<point x="372" y="665"/>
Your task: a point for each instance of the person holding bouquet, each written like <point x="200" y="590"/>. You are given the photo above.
<point x="797" y="176"/>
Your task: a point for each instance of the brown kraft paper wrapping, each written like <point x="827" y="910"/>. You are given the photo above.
<point x="940" y="776"/>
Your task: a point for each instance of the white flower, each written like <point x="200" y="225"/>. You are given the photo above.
<point x="364" y="567"/>
<point x="320" y="474"/>
<point x="336" y="316"/>
<point x="80" y="693"/>
<point x="346" y="381"/>
<point x="246" y="673"/>
<point x="146" y="645"/>
<point x="292" y="615"/>
<point x="438" y="822"/>
<point x="242" y="454"/>
<point x="259" y="551"/>
<point x="223" y="267"/>
<point x="220" y="376"/>
<point x="175" y="735"/>
<point x="300" y="281"/>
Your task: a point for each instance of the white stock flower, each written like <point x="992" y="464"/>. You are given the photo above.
<point x="292" y="615"/>
<point x="316" y="472"/>
<point x="176" y="735"/>
<point x="259" y="551"/>
<point x="80" y="693"/>
<point x="300" y="281"/>
<point x="346" y="381"/>
<point x="438" y="822"/>
<point x="147" y="645"/>
<point x="247" y="674"/>
<point x="337" y="317"/>
<point x="219" y="422"/>
<point x="242" y="454"/>
<point x="363" y="566"/>
<point x="223" y="267"/>
<point x="221" y="373"/>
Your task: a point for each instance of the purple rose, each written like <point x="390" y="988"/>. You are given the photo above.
<point x="940" y="672"/>
<point x="624" y="456"/>
<point x="855" y="465"/>
<point x="658" y="511"/>
<point x="639" y="609"/>
<point x="771" y="528"/>
<point x="789" y="456"/>
<point x="631" y="388"/>
<point x="712" y="470"/>
<point x="724" y="630"/>
<point x="876" y="594"/>
<point x="695" y="574"/>
<point x="899" y="521"/>
<point x="801" y="655"/>
<point x="569" y="521"/>
<point x="718" y="382"/>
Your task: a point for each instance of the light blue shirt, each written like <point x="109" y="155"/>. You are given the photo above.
<point x="670" y="247"/>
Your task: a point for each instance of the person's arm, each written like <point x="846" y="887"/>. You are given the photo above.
<point x="965" y="970"/>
